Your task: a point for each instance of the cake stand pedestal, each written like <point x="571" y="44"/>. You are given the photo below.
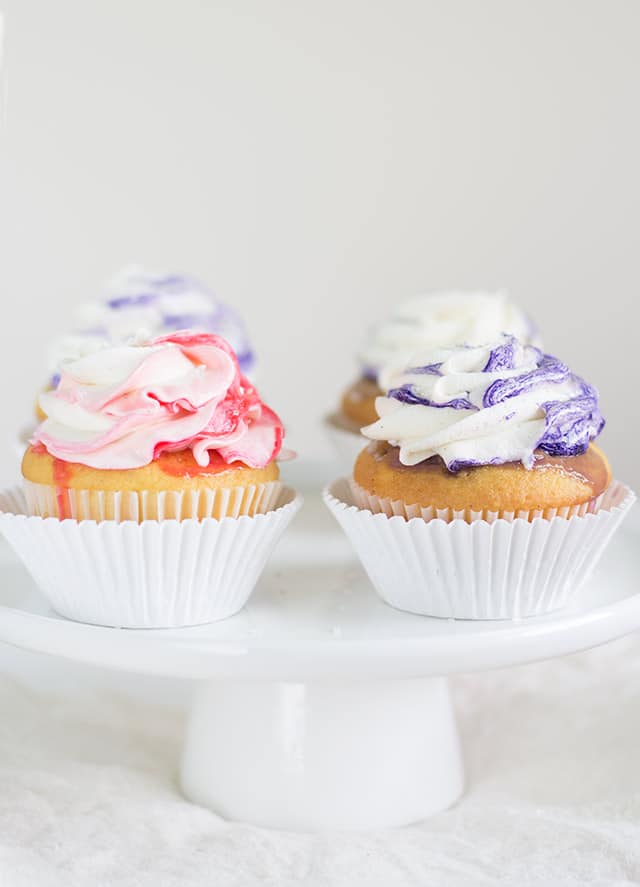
<point x="324" y="754"/>
<point x="318" y="706"/>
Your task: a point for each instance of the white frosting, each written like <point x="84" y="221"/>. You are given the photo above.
<point x="506" y="432"/>
<point x="73" y="347"/>
<point x="441" y="320"/>
<point x="122" y="407"/>
<point x="141" y="320"/>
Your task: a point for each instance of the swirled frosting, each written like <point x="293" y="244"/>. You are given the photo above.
<point x="441" y="320"/>
<point x="487" y="405"/>
<point x="121" y="407"/>
<point x="138" y="304"/>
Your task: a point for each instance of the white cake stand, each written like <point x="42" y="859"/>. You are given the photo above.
<point x="318" y="706"/>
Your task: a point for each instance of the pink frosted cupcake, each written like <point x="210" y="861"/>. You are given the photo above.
<point x="152" y="493"/>
<point x="168" y="429"/>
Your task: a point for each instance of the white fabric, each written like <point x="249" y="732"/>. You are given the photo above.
<point x="88" y="794"/>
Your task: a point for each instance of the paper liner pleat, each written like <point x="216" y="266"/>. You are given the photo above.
<point x="479" y="569"/>
<point x="378" y="505"/>
<point x="46" y="500"/>
<point x="154" y="574"/>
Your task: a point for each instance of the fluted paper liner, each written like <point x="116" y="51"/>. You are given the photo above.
<point x="154" y="574"/>
<point x="46" y="500"/>
<point x="391" y="507"/>
<point x="478" y="569"/>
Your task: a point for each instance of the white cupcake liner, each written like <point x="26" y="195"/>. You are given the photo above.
<point x="155" y="574"/>
<point x="391" y="507"/>
<point x="505" y="569"/>
<point x="347" y="444"/>
<point x="45" y="500"/>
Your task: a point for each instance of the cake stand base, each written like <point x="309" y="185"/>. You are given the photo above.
<point x="325" y="754"/>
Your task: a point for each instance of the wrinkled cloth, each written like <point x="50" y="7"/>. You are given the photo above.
<point x="88" y="792"/>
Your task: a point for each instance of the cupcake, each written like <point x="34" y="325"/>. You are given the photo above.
<point x="437" y="320"/>
<point x="162" y="450"/>
<point x="483" y="476"/>
<point x="169" y="429"/>
<point x="138" y="305"/>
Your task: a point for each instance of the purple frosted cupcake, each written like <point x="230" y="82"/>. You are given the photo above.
<point x="140" y="304"/>
<point x="482" y="494"/>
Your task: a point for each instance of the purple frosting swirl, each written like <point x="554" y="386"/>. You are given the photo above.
<point x="502" y="358"/>
<point x="136" y="290"/>
<point x="570" y="423"/>
<point x="549" y="370"/>
<point x="408" y="394"/>
<point x="134" y="301"/>
<point x="431" y="369"/>
<point x="221" y="319"/>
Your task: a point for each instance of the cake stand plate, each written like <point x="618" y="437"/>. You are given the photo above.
<point x="318" y="706"/>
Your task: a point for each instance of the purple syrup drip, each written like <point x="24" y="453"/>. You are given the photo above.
<point x="369" y="373"/>
<point x="550" y="370"/>
<point x="502" y="358"/>
<point x="407" y="394"/>
<point x="459" y="464"/>
<point x="54" y="381"/>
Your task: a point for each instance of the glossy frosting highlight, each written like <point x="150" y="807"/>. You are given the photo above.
<point x="486" y="405"/>
<point x="121" y="407"/>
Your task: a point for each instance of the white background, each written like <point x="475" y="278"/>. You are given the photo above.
<point x="315" y="162"/>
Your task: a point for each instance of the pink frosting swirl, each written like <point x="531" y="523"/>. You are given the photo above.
<point x="122" y="407"/>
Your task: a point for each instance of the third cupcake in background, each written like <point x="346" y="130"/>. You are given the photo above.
<point x="435" y="320"/>
<point x="481" y="494"/>
<point x="138" y="304"/>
